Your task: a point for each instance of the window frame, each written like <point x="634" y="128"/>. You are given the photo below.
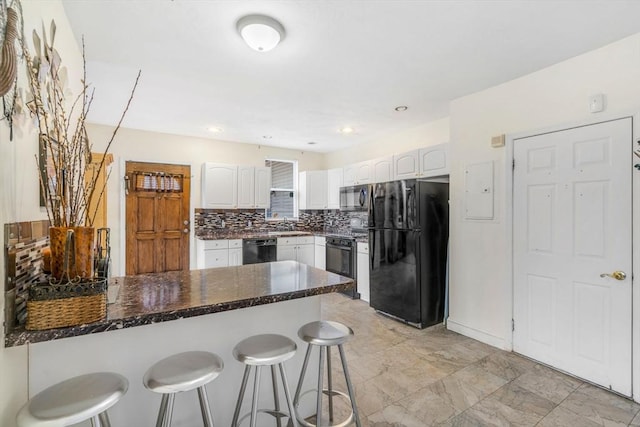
<point x="296" y="211"/>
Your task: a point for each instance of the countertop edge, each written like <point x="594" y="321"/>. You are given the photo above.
<point x="22" y="337"/>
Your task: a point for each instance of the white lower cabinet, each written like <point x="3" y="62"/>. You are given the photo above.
<point x="363" y="270"/>
<point x="320" y="252"/>
<point x="299" y="249"/>
<point x="218" y="253"/>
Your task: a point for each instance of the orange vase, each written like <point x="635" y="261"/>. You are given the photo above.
<point x="80" y="258"/>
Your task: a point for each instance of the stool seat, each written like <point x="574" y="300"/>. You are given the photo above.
<point x="325" y="332"/>
<point x="183" y="372"/>
<point x="74" y="400"/>
<point x="266" y="349"/>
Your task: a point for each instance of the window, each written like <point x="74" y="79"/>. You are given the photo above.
<point x="284" y="189"/>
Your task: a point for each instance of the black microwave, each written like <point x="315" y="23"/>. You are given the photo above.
<point x="355" y="198"/>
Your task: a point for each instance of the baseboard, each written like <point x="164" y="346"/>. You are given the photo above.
<point x="477" y="335"/>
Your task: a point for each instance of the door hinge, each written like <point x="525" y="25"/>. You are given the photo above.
<point x="513" y="164"/>
<point x="513" y="325"/>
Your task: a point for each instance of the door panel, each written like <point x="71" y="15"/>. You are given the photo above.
<point x="157" y="210"/>
<point x="572" y="223"/>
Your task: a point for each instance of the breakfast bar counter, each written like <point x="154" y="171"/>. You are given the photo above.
<point x="158" y="315"/>
<point x="160" y="297"/>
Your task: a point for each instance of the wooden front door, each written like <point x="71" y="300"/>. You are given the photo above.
<point x="157" y="213"/>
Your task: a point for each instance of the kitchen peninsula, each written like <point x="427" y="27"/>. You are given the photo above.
<point x="157" y="315"/>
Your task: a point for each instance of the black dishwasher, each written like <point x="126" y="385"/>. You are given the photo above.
<point x="258" y="250"/>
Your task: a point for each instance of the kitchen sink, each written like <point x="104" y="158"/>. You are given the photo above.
<point x="286" y="233"/>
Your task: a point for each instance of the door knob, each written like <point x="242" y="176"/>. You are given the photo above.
<point x="185" y="231"/>
<point x="618" y="275"/>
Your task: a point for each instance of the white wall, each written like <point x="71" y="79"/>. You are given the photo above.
<point x="428" y="134"/>
<point x="19" y="196"/>
<point x="135" y="145"/>
<point x="480" y="298"/>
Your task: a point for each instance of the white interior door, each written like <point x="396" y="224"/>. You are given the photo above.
<point x="572" y="224"/>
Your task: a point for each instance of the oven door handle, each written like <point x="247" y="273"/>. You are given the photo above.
<point x="344" y="248"/>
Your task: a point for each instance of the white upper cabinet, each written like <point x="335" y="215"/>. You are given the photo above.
<point x="382" y="169"/>
<point x="422" y="163"/>
<point x="226" y="186"/>
<point x="246" y="187"/>
<point x="434" y="160"/>
<point x="219" y="186"/>
<point x="358" y="173"/>
<point x="263" y="187"/>
<point x="313" y="189"/>
<point x="334" y="182"/>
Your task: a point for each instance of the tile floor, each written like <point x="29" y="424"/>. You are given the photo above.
<point x="409" y="377"/>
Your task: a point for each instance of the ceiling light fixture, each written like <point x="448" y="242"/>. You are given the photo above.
<point x="401" y="108"/>
<point x="266" y="136"/>
<point x="214" y="129"/>
<point x="260" y="32"/>
<point x="312" y="143"/>
<point x="346" y="130"/>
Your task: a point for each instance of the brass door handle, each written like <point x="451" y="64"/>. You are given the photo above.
<point x="618" y="275"/>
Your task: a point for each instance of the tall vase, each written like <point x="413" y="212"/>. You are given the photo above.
<point x="80" y="258"/>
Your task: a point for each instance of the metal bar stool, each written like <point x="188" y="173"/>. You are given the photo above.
<point x="183" y="372"/>
<point x="264" y="350"/>
<point x="324" y="335"/>
<point x="86" y="397"/>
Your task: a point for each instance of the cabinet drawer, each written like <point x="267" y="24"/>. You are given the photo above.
<point x="216" y="244"/>
<point x="305" y="240"/>
<point x="363" y="247"/>
<point x="285" y="241"/>
<point x="235" y="243"/>
<point x="216" y="258"/>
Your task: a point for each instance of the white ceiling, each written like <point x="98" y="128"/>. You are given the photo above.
<point x="342" y="63"/>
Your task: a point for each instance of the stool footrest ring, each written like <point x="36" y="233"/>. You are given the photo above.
<point x="327" y="392"/>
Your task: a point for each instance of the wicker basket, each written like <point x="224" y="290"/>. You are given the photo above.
<point x="54" y="305"/>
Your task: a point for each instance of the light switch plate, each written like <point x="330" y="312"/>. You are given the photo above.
<point x="498" y="141"/>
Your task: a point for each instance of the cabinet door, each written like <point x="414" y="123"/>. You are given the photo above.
<point x="382" y="169"/>
<point x="434" y="160"/>
<point x="286" y="253"/>
<point x="363" y="274"/>
<point x="313" y="189"/>
<point x="216" y="258"/>
<point x="263" y="187"/>
<point x="334" y="182"/>
<point x="364" y="172"/>
<point x="320" y="255"/>
<point x="406" y="165"/>
<point x="349" y="175"/>
<point x="246" y="187"/>
<point x="219" y="186"/>
<point x="306" y="254"/>
<point x="235" y="257"/>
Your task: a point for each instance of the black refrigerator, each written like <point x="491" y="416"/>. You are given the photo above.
<point x="408" y="236"/>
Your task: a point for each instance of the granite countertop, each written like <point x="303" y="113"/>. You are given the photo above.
<point x="221" y="234"/>
<point x="161" y="297"/>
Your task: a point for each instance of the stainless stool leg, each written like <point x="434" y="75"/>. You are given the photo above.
<point x="352" y="394"/>
<point x="296" y="397"/>
<point x="254" y="402"/>
<point x="95" y="421"/>
<point x="243" y="387"/>
<point x="329" y="384"/>
<point x="104" y="419"/>
<point x="169" y="412"/>
<point x="320" y="386"/>
<point x="204" y="407"/>
<point x="162" y="411"/>
<point x="276" y="399"/>
<point x="287" y="395"/>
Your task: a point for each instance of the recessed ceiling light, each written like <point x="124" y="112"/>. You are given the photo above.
<point x="401" y="108"/>
<point x="312" y="143"/>
<point x="214" y="130"/>
<point x="266" y="136"/>
<point x="346" y="129"/>
<point x="260" y="32"/>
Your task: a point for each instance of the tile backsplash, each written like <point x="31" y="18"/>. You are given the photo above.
<point x="24" y="244"/>
<point x="333" y="221"/>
